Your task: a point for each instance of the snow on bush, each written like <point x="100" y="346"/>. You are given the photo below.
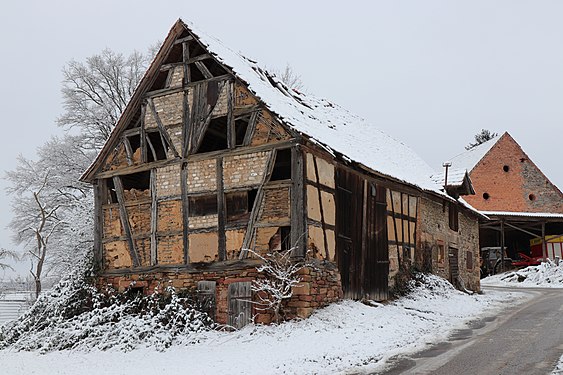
<point x="546" y="275"/>
<point x="74" y="315"/>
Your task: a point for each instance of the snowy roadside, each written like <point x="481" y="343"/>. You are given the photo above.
<point x="546" y="275"/>
<point x="558" y="370"/>
<point x="342" y="338"/>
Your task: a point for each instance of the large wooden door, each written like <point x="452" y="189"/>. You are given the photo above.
<point x="361" y="229"/>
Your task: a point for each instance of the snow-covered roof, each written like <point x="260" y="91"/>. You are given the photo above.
<point x="455" y="177"/>
<point x="538" y="215"/>
<point x="326" y="123"/>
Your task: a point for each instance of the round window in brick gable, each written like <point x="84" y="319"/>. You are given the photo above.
<point x="506" y="168"/>
<point x="532" y="197"/>
<point x="486" y="196"/>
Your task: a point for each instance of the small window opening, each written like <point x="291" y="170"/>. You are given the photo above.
<point x="281" y="240"/>
<point x="532" y="197"/>
<point x="486" y="196"/>
<point x="176" y="54"/>
<point x="195" y="74"/>
<point x="506" y="168"/>
<point x="111" y="194"/>
<point x="282" y="166"/>
<point x="522" y="160"/>
<point x="239" y="204"/>
<point x="453" y="217"/>
<point x="215" y="137"/>
<point x="212" y="93"/>
<point x="202" y="205"/>
<point x="160" y="81"/>
<point x="156" y="147"/>
<point x="469" y="258"/>
<point x="136" y="186"/>
<point x="214" y="67"/>
<point x="241" y="125"/>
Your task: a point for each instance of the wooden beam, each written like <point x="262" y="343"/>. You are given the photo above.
<point x="151" y="147"/>
<point x="185" y="211"/>
<point x="231" y="141"/>
<point x="185" y="125"/>
<point x="154" y="218"/>
<point x="185" y="59"/>
<point x="125" y="221"/>
<point x="203" y="69"/>
<point x="221" y="211"/>
<point x="319" y="193"/>
<point x="128" y="150"/>
<point x="99" y="190"/>
<point x="143" y="134"/>
<point x="395" y="229"/>
<point x="258" y="201"/>
<point x="184" y="39"/>
<point x="163" y="131"/>
<point x="298" y="202"/>
<point x="250" y="129"/>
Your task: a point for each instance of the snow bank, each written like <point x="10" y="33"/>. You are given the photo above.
<point x="546" y="275"/>
<point x="558" y="370"/>
<point x="344" y="337"/>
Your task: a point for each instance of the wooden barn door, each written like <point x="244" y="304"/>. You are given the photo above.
<point x="362" y="251"/>
<point x="454" y="266"/>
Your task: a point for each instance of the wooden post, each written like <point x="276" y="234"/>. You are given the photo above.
<point x="185" y="212"/>
<point x="221" y="211"/>
<point x="154" y="218"/>
<point x="98" y="225"/>
<point x="543" y="244"/>
<point x="298" y="204"/>
<point x="125" y="220"/>
<point x="502" y="246"/>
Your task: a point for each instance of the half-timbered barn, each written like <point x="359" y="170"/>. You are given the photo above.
<point x="215" y="160"/>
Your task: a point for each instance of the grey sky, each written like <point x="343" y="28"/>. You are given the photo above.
<point x="429" y="73"/>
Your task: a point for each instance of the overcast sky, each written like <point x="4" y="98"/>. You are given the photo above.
<point x="429" y="73"/>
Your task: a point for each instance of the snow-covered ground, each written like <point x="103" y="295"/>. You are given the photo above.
<point x="342" y="338"/>
<point x="546" y="275"/>
<point x="558" y="370"/>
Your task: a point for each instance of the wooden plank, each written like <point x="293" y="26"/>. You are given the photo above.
<point x="364" y="237"/>
<point x="221" y="211"/>
<point x="125" y="220"/>
<point x="298" y="202"/>
<point x="206" y="73"/>
<point x="240" y="304"/>
<point x="251" y="128"/>
<point x="99" y="190"/>
<point x="143" y="134"/>
<point x="258" y="202"/>
<point x="154" y="218"/>
<point x="185" y="63"/>
<point x="185" y="211"/>
<point x="151" y="147"/>
<point x="185" y="125"/>
<point x="163" y="131"/>
<point x="128" y="150"/>
<point x="231" y="142"/>
<point x="168" y="91"/>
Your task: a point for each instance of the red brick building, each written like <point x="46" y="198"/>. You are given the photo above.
<point x="512" y="191"/>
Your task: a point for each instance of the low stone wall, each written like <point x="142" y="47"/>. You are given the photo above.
<point x="320" y="285"/>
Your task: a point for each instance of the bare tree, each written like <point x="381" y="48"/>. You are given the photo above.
<point x="281" y="274"/>
<point x="483" y="136"/>
<point x="6" y="255"/>
<point x="96" y="92"/>
<point x="290" y="78"/>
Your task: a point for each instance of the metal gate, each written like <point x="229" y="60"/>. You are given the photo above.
<point x="361" y="228"/>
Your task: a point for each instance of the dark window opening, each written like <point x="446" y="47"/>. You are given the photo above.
<point x="160" y="81"/>
<point x="195" y="49"/>
<point x="214" y="68"/>
<point x="241" y="125"/>
<point x="202" y="205"/>
<point x="506" y="168"/>
<point x="453" y="217"/>
<point x="138" y="181"/>
<point x="195" y="74"/>
<point x="111" y="194"/>
<point x="486" y="196"/>
<point x="281" y="240"/>
<point x="282" y="166"/>
<point x="239" y="204"/>
<point x="212" y="93"/>
<point x="215" y="137"/>
<point x="156" y="147"/>
<point x="532" y="197"/>
<point x="176" y="54"/>
<point x="469" y="258"/>
<point x="134" y="123"/>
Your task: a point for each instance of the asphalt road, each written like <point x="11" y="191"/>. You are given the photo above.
<point x="527" y="339"/>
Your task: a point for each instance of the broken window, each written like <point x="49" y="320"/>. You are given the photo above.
<point x="453" y="217"/>
<point x="133" y="146"/>
<point x="156" y="146"/>
<point x="241" y="125"/>
<point x="281" y="240"/>
<point x="136" y="185"/>
<point x="239" y="205"/>
<point x="111" y="196"/>
<point x="282" y="166"/>
<point x="202" y="205"/>
<point x="215" y="137"/>
<point x="214" y="68"/>
<point x="160" y="81"/>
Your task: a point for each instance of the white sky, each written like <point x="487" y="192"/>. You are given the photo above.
<point x="429" y="73"/>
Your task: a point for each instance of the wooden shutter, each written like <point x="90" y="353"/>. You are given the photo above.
<point x="240" y="308"/>
<point x="206" y="297"/>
